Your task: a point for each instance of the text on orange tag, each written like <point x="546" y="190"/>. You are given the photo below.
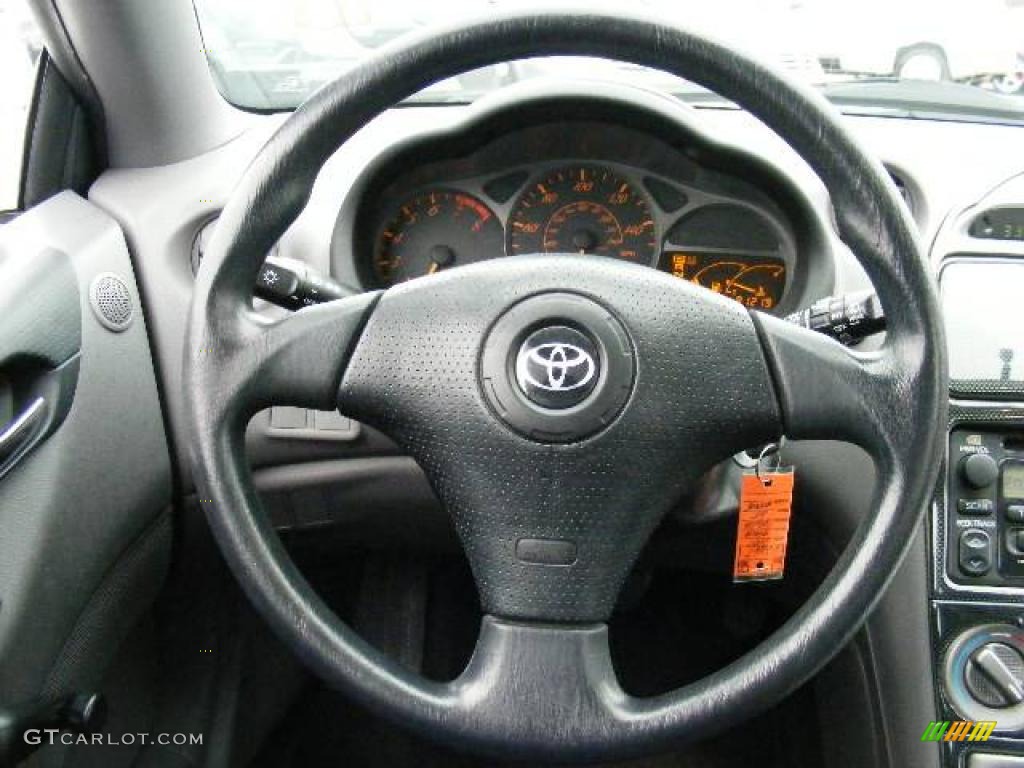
<point x="765" y="505"/>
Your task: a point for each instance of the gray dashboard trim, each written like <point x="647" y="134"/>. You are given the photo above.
<point x="952" y="242"/>
<point x="127" y="47"/>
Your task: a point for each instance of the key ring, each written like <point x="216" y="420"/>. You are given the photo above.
<point x="769" y="452"/>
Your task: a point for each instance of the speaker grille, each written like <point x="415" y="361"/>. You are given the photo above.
<point x="111" y="301"/>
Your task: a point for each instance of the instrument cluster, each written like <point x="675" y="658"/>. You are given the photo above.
<point x="725" y="244"/>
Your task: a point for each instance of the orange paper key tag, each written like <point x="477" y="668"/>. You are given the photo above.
<point x="765" y="503"/>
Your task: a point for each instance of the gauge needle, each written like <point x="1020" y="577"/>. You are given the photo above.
<point x="743" y="287"/>
<point x="440" y="256"/>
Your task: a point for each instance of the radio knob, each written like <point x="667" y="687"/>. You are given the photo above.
<point x="979" y="470"/>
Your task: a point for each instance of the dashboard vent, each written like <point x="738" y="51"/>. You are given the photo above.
<point x="199" y="243"/>
<point x="903" y="188"/>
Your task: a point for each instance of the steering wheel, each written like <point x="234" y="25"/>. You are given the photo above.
<point x="559" y="406"/>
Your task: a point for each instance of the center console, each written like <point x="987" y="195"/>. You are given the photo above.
<point x="977" y="525"/>
<point x="985" y="505"/>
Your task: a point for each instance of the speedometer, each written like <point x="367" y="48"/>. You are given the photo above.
<point x="583" y="209"/>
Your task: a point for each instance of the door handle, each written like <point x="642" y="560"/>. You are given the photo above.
<point x="47" y="398"/>
<point x="22" y="431"/>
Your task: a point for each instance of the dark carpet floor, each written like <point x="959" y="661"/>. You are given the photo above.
<point x="677" y="629"/>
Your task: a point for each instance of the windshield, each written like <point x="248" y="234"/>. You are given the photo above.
<point x="952" y="59"/>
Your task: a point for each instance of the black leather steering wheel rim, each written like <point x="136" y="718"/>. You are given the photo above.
<point x="537" y="689"/>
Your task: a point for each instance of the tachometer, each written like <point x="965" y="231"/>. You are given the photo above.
<point x="434" y="230"/>
<point x="583" y="209"/>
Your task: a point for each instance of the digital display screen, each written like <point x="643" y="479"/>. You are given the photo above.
<point x="1013" y="481"/>
<point x="754" y="281"/>
<point x="999" y="224"/>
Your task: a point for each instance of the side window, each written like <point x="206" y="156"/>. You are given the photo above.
<point x="20" y="46"/>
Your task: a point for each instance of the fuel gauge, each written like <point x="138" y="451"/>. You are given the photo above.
<point x="436" y="229"/>
<point x="756" y="282"/>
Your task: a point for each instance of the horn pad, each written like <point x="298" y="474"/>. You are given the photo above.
<point x="557" y="367"/>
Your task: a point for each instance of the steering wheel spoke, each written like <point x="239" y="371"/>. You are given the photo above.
<point x="558" y="679"/>
<point x="301" y="359"/>
<point x="249" y="363"/>
<point x="826" y="391"/>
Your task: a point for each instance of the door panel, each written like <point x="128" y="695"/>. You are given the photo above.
<point x="90" y="492"/>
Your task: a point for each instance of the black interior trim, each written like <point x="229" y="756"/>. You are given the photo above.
<point x="127" y="590"/>
<point x="60" y="151"/>
<point x="61" y="49"/>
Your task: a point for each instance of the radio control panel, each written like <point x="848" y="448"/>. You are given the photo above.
<point x="985" y="507"/>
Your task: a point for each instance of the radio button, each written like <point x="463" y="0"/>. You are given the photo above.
<point x="977" y="507"/>
<point x="975" y="552"/>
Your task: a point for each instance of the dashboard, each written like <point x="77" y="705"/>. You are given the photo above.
<point x="579" y="206"/>
<point x="712" y="157"/>
<point x="588" y="208"/>
<point x="609" y="181"/>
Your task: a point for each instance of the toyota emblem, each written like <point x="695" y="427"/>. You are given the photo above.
<point x="557" y="367"/>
